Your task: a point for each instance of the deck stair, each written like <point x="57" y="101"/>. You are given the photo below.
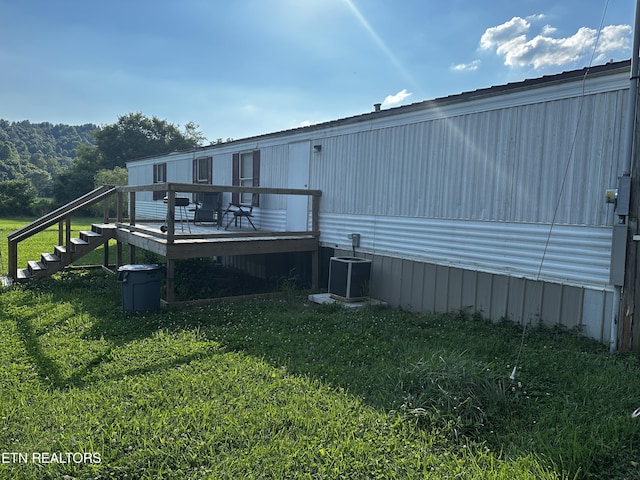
<point x="50" y="263"/>
<point x="69" y="249"/>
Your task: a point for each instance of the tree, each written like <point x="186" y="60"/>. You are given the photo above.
<point x="77" y="180"/>
<point x="16" y="197"/>
<point x="116" y="176"/>
<point x="133" y="136"/>
<point x="37" y="151"/>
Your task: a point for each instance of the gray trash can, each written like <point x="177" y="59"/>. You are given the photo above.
<point x="140" y="287"/>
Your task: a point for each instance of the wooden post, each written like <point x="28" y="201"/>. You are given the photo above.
<point x="105" y="254"/>
<point x="119" y="215"/>
<point x="132" y="208"/>
<point x="315" y="214"/>
<point x="13" y="260"/>
<point x="171" y="207"/>
<point x="61" y="233"/>
<point x="119" y="207"/>
<point x="170" y="294"/>
<point x="629" y="337"/>
<point x="67" y="241"/>
<point x="132" y="221"/>
<point x="628" y="332"/>
<point x="105" y="219"/>
<point x="105" y="209"/>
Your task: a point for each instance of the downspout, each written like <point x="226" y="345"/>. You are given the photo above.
<point x="624" y="185"/>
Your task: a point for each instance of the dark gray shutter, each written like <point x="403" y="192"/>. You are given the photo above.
<point x="256" y="174"/>
<point x="235" y="196"/>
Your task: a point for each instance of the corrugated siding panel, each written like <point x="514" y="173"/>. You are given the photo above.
<point x="575" y="254"/>
<point x="506" y="165"/>
<point x="150" y="210"/>
<point x="274" y="162"/>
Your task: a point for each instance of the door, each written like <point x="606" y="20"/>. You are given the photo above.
<point x="298" y="177"/>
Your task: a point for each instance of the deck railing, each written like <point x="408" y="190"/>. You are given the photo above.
<point x="63" y="215"/>
<point x="171" y="189"/>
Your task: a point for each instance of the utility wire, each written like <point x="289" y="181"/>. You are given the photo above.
<point x="564" y="178"/>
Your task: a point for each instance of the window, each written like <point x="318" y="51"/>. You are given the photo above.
<point x="202" y="170"/>
<point x="246" y="173"/>
<point x="159" y="176"/>
<point x="202" y="173"/>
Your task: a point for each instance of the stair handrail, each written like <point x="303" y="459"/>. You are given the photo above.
<point x="14" y="238"/>
<point x="60" y="213"/>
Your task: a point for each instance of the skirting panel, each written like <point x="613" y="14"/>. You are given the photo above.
<point x="426" y="287"/>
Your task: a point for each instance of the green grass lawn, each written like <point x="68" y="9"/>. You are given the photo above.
<point x="286" y="389"/>
<point x="283" y="388"/>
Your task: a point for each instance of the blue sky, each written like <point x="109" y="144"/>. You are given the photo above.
<point x="239" y="68"/>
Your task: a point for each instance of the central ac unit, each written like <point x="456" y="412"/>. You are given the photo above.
<point x="349" y="278"/>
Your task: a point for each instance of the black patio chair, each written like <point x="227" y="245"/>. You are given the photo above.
<point x="240" y="211"/>
<point x="208" y="208"/>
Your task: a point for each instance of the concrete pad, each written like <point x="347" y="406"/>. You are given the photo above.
<point x="323" y="298"/>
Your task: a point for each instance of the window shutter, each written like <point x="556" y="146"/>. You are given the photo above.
<point x="256" y="173"/>
<point x="235" y="196"/>
<point x="164" y="179"/>
<point x="159" y="176"/>
<point x="210" y="170"/>
<point x="155" y="180"/>
<point x="195" y="197"/>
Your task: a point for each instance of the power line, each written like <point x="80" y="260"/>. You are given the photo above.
<point x="564" y="178"/>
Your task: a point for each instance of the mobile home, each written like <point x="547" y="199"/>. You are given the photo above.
<point x="492" y="200"/>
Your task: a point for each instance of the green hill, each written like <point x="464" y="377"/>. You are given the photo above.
<point x="38" y="151"/>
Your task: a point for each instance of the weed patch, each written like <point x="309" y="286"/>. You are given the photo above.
<point x="453" y="393"/>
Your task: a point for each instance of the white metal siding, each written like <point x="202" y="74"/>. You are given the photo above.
<point x="502" y="165"/>
<point x="473" y="184"/>
<point x="575" y="254"/>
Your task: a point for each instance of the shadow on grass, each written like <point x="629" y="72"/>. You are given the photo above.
<point x="95" y="296"/>
<point x="46" y="367"/>
<point x="372" y="354"/>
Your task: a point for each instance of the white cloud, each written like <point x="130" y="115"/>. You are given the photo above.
<point x="306" y="123"/>
<point x="512" y="41"/>
<point x="505" y="33"/>
<point x="613" y="38"/>
<point x="467" y="67"/>
<point x="537" y="17"/>
<point x="392" y="100"/>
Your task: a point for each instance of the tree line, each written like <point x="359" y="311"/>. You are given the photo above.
<point x="39" y="151"/>
<point x="43" y="166"/>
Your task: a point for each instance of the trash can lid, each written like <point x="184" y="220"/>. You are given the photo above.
<point x="139" y="268"/>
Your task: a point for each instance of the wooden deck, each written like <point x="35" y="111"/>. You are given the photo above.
<point x="177" y="240"/>
<point x="180" y="240"/>
<point x="208" y="241"/>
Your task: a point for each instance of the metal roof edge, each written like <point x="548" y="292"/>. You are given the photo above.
<point x="545" y="80"/>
